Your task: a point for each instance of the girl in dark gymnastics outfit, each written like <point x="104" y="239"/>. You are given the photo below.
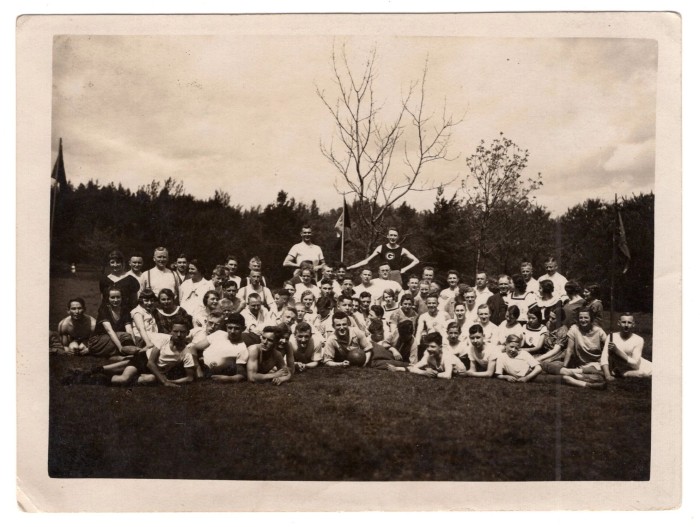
<point x="392" y="254"/>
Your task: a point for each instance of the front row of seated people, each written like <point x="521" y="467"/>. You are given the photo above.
<point x="227" y="350"/>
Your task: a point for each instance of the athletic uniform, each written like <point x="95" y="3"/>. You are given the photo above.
<point x="635" y="365"/>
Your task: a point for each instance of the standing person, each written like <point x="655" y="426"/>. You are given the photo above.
<point x="192" y="290"/>
<point x="113" y="331"/>
<point x="532" y="285"/>
<point x="546" y="301"/>
<point x="391" y="253"/>
<point x="574" y="303"/>
<point x="367" y="284"/>
<point x="428" y="274"/>
<point x="254" y="264"/>
<point x="254" y="286"/>
<point x="255" y="315"/>
<point x="305" y="250"/>
<point x="622" y="353"/>
<point x="160" y="276"/>
<point x="232" y="266"/>
<point x="384" y="281"/>
<point x="451" y="290"/>
<point x="471" y="315"/>
<point x="591" y="297"/>
<point x="534" y="332"/>
<point x="432" y="321"/>
<point x="510" y="326"/>
<point x="136" y="266"/>
<point x="121" y="278"/>
<point x="521" y="297"/>
<point x="489" y="329"/>
<point x="498" y="303"/>
<point x="306" y="285"/>
<point x="559" y="281"/>
<point x="181" y="268"/>
<point x="412" y="286"/>
<point x="422" y="297"/>
<point x="483" y="293"/>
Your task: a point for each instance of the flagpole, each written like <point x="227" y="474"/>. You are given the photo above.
<point x="342" y="234"/>
<point x="54" y="192"/>
<point x="614" y="259"/>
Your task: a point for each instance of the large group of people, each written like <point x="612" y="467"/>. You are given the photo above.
<point x="171" y="325"/>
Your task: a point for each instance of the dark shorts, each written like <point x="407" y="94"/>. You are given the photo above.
<point x="140" y="362"/>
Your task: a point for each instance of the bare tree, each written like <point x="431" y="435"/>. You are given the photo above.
<point x="495" y="184"/>
<point x="364" y="143"/>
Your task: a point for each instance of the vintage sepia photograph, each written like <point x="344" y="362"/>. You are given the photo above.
<point x="358" y="249"/>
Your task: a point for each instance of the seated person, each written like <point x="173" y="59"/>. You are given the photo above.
<point x="307" y="348"/>
<point x="515" y="364"/>
<point x="403" y="340"/>
<point x="222" y="355"/>
<point x="383" y="353"/>
<point x="76" y="329"/>
<point x="113" y="331"/>
<point x="622" y="353"/>
<point x="255" y="286"/>
<point x="343" y="340"/>
<point x="483" y="312"/>
<point x="434" y="363"/>
<point x="152" y="364"/>
<point x="555" y="340"/>
<point x="405" y="312"/>
<point x="231" y="293"/>
<point x="265" y="362"/>
<point x="168" y="310"/>
<point x="534" y="332"/>
<point x="255" y="315"/>
<point x="281" y="301"/>
<point x="482" y="356"/>
<point x="146" y="329"/>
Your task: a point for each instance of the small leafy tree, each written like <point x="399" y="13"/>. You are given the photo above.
<point x="495" y="184"/>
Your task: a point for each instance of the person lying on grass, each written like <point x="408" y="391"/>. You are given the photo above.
<point x="516" y="365"/>
<point x="622" y="354"/>
<point x="265" y="362"/>
<point x="342" y="341"/>
<point x="76" y="329"/>
<point x="482" y="356"/>
<point x="306" y="348"/>
<point x="222" y="355"/>
<point x="434" y="363"/>
<point x="150" y="365"/>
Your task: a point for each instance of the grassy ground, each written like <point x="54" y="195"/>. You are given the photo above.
<point x="351" y="424"/>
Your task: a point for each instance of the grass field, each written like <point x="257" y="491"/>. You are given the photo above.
<point x="345" y="424"/>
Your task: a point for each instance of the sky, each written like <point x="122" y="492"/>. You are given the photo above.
<point x="241" y="113"/>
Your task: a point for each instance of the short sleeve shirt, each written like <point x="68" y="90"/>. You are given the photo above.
<point x="588" y="347"/>
<point x="481" y="360"/>
<point x="518" y="366"/>
<point x="221" y="350"/>
<point x="169" y="357"/>
<point x="302" y="251"/>
<point x="337" y="350"/>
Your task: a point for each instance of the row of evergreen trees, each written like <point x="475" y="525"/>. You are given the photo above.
<point x="92" y="219"/>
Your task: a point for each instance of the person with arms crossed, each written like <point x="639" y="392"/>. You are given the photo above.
<point x="265" y="361"/>
<point x="76" y="329"/>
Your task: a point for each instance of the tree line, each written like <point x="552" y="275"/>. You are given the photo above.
<point x="92" y="219"/>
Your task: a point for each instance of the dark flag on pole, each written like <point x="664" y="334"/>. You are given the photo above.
<point x="622" y="242"/>
<point x="58" y="175"/>
<point x="343" y="223"/>
<point x="58" y="182"/>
